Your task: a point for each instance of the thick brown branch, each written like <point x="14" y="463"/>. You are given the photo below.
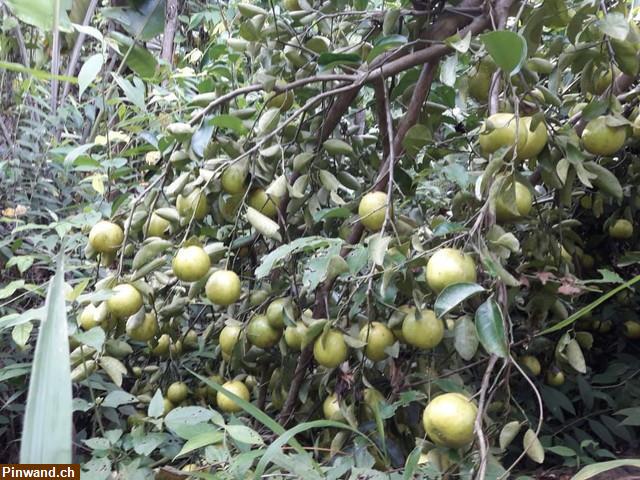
<point x="170" y="27"/>
<point x="381" y="115"/>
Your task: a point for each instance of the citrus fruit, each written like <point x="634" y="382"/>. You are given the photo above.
<point x="422" y="329"/>
<point x="223" y="287"/>
<point x="330" y="349"/>
<point x="601" y="139"/>
<point x="227" y="404"/>
<point x="449" y="419"/>
<point x="106" y="237"/>
<point x="621" y="229"/>
<point x="125" y="301"/>
<point x="523" y="203"/>
<point x="448" y="266"/>
<point x="229" y="336"/>
<point x="264" y="203"/>
<point x="177" y="392"/>
<point x="261" y="334"/>
<point x="146" y="330"/>
<point x="331" y="408"/>
<point x="372" y="210"/>
<point x="378" y="337"/>
<point x="191" y="263"/>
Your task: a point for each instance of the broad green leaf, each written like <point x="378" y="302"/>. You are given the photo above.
<point x="134" y="91"/>
<point x="49" y="401"/>
<point x="229" y="122"/>
<point x="200" y="441"/>
<point x="591" y="471"/>
<point x="40" y="13"/>
<point x="118" y="397"/>
<point x="330" y="60"/>
<point x="384" y="44"/>
<point x="454" y="295"/>
<point x="465" y="338"/>
<point x="89" y="72"/>
<point x="94" y="338"/>
<point x="508" y="433"/>
<point x="156" y="406"/>
<point x="139" y="59"/>
<point x="21" y="333"/>
<point x="615" y="25"/>
<point x="508" y="49"/>
<point x="533" y="447"/>
<point x="244" y="434"/>
<point x="306" y="244"/>
<point x="490" y="328"/>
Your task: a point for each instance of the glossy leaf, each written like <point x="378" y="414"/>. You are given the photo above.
<point x="490" y="328"/>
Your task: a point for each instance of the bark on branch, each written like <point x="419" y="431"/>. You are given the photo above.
<point x="170" y="27"/>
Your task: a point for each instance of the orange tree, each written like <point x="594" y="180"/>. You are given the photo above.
<point x="413" y="220"/>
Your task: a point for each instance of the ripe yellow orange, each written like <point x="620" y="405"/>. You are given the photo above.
<point x="227" y="404"/>
<point x="125" y="301"/>
<point x="448" y="266"/>
<point x="158" y="226"/>
<point x="106" y="237"/>
<point x="177" y="392"/>
<point x="378" y="337"/>
<point x="223" y="287"/>
<point x="523" y="203"/>
<point x="330" y="349"/>
<point x="276" y="311"/>
<point x="146" y="330"/>
<point x="229" y="336"/>
<point x="331" y="408"/>
<point x="191" y="263"/>
<point x="499" y="130"/>
<point x="536" y="140"/>
<point x="372" y="210"/>
<point x="449" y="420"/>
<point x="601" y="139"/>
<point x="422" y="329"/>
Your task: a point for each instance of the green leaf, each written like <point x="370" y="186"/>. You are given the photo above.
<point x="200" y="441"/>
<point x="465" y="338"/>
<point x="411" y="463"/>
<point x="9" y="289"/>
<point x="508" y="49"/>
<point x="301" y="244"/>
<point x="94" y="338"/>
<point x="181" y="417"/>
<point x="156" y="406"/>
<point x="118" y="397"/>
<point x="133" y="91"/>
<point x="614" y="25"/>
<point x="275" y="448"/>
<point x="229" y="122"/>
<point x="384" y="44"/>
<point x="508" y="433"/>
<point x="533" y="447"/>
<point x="330" y="60"/>
<point x="89" y="72"/>
<point x="23" y="262"/>
<point x="585" y="310"/>
<point x="40" y="13"/>
<point x="591" y="471"/>
<point x="607" y="277"/>
<point x="49" y="401"/>
<point x="490" y="328"/>
<point x="139" y="59"/>
<point x="244" y="434"/>
<point x="454" y="295"/>
<point x="416" y="138"/>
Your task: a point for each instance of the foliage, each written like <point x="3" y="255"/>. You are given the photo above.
<point x="256" y="137"/>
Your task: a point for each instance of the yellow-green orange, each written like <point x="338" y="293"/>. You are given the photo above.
<point x="378" y="337"/>
<point x="233" y="179"/>
<point x="330" y="349"/>
<point x="223" y="287"/>
<point x="106" y="237"/>
<point x="87" y="319"/>
<point x="499" y="130"/>
<point x="331" y="408"/>
<point x="294" y="335"/>
<point x="536" y="139"/>
<point x="523" y="203"/>
<point x="264" y="203"/>
<point x="448" y="266"/>
<point x="261" y="334"/>
<point x="227" y="404"/>
<point x="229" y="336"/>
<point x="125" y="301"/>
<point x="422" y="329"/>
<point x="177" y="392"/>
<point x="372" y="210"/>
<point x="621" y="229"/>
<point x="146" y="330"/>
<point x="632" y="329"/>
<point x="532" y="364"/>
<point x="191" y="263"/>
<point x="449" y="420"/>
<point x="601" y="139"/>
<point x="158" y="226"/>
<point x="194" y="204"/>
<point x="276" y="311"/>
<point x="555" y="377"/>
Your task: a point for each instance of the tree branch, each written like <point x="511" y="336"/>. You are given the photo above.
<point x="170" y="27"/>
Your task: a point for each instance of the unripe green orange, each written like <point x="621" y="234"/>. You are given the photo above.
<point x="523" y="204"/>
<point x="621" y="229"/>
<point x="331" y="408"/>
<point x="261" y="334"/>
<point x="264" y="203"/>
<point x="378" y="337"/>
<point x="228" y="339"/>
<point x="177" y="392"/>
<point x="601" y="139"/>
